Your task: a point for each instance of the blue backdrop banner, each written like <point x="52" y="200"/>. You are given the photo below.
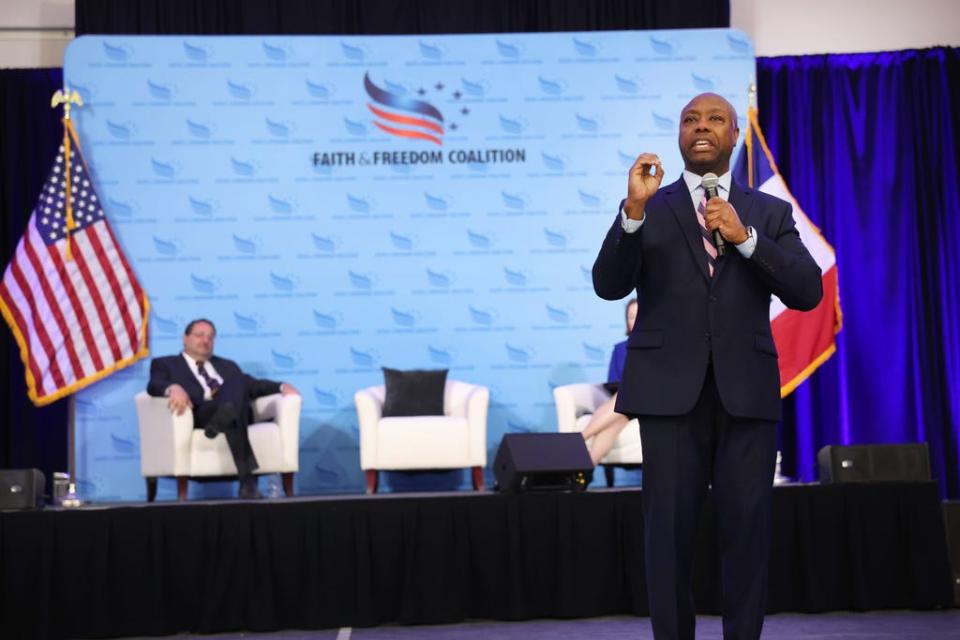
<point x="339" y="204"/>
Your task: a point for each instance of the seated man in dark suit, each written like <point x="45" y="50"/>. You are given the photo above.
<point x="218" y="392"/>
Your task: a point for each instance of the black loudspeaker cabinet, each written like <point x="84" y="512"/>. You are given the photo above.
<point x="951" y="518"/>
<point x="874" y="463"/>
<point x="542" y="462"/>
<point x="21" y="489"/>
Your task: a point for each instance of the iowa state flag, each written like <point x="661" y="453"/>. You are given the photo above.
<point x="804" y="339"/>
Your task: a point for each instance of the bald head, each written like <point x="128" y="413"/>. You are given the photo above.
<point x="713" y="98"/>
<point x="708" y="134"/>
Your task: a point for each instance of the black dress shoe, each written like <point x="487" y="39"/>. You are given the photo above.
<point x="249" y="489"/>
<point x="210" y="433"/>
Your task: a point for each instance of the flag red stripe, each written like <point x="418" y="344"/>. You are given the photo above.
<point x="78" y="309"/>
<point x="24" y="332"/>
<point x="97" y="300"/>
<point x="137" y="291"/>
<point x="41" y="331"/>
<point x="119" y="298"/>
<point x="54" y="306"/>
<point x="802" y="337"/>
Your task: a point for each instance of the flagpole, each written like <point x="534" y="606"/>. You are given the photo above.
<point x="69" y="98"/>
<point x="71" y="446"/>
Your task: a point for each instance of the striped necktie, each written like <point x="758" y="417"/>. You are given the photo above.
<point x="705" y="235"/>
<point x="212" y="383"/>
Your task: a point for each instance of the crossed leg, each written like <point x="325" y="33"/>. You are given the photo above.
<point x="604" y="427"/>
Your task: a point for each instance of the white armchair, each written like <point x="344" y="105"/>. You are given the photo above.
<point x="454" y="440"/>
<point x="576" y="404"/>
<point x="170" y="446"/>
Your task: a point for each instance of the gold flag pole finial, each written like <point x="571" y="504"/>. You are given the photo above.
<point x="67" y="98"/>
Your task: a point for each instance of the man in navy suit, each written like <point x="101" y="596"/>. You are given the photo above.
<point x="701" y="370"/>
<point x="219" y="393"/>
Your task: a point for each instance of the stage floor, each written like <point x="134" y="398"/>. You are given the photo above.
<point x="363" y="562"/>
<point x="878" y="625"/>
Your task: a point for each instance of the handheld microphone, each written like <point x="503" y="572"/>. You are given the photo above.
<point x="710" y="183"/>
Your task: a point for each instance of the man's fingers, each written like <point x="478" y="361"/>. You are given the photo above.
<point x="179" y="403"/>
<point x="645" y="162"/>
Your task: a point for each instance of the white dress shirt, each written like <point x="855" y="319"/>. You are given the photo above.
<point x="208" y="367"/>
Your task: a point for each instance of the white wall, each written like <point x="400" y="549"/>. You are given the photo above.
<point x="34" y="33"/>
<point x="795" y="27"/>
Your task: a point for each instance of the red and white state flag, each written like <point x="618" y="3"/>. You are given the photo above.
<point x="70" y="297"/>
<point x="804" y="339"/>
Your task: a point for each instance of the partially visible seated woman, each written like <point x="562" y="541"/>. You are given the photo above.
<point x="606" y="424"/>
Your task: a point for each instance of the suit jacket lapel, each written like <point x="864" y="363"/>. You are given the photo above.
<point x="741" y="201"/>
<point x="190" y="383"/>
<point x="679" y="202"/>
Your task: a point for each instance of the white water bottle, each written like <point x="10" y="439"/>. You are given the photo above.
<point x="274" y="486"/>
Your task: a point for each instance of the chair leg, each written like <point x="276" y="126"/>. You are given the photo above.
<point x="477" y="477"/>
<point x="608" y="474"/>
<point x="182" y="488"/>
<point x="287" y="483"/>
<point x="151" y="489"/>
<point x="372" y="480"/>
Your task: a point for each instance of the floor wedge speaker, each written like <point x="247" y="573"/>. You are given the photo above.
<point x="542" y="462"/>
<point x="874" y="463"/>
<point x="21" y="489"/>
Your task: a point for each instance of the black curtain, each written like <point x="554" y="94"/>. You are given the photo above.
<point x="30" y="133"/>
<point x="256" y="17"/>
<point x="315" y="564"/>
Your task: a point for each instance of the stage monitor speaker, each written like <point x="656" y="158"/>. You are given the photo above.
<point x="951" y="519"/>
<point x="874" y="463"/>
<point x="542" y="462"/>
<point x="21" y="489"/>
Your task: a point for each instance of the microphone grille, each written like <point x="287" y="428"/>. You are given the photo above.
<point x="710" y="181"/>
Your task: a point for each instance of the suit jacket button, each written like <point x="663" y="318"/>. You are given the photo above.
<point x="712" y="298"/>
<point x="706" y="337"/>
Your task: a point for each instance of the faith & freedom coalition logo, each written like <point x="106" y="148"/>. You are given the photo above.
<point x="415" y="123"/>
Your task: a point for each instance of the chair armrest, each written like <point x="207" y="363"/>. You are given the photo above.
<point x="164" y="437"/>
<point x="478" y="402"/>
<point x="571" y="398"/>
<point x="285" y="411"/>
<point x="369" y="403"/>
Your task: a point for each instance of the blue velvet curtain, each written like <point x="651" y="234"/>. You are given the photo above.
<point x="868" y="143"/>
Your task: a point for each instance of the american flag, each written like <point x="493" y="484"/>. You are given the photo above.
<point x="71" y="299"/>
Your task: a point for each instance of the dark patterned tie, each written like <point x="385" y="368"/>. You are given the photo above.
<point x="212" y="383"/>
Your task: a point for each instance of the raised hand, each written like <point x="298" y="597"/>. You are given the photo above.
<point x="644" y="179"/>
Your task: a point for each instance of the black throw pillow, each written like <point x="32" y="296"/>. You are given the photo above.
<point x="418" y="392"/>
